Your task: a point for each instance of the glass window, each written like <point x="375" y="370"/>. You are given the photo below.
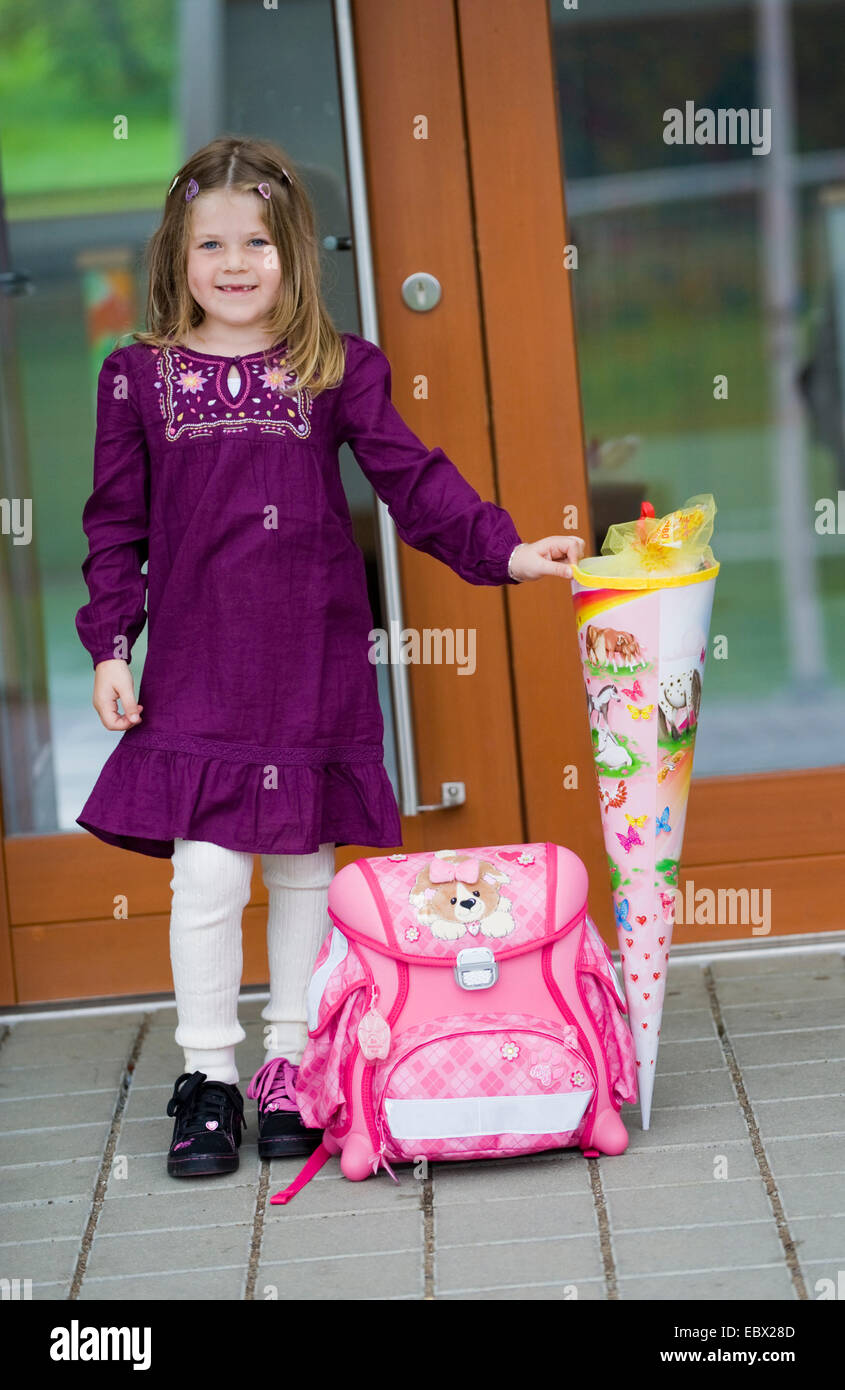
<point x="709" y="301"/>
<point x="102" y="105"/>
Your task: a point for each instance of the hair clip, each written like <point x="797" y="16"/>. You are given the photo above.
<point x="173" y="185"/>
<point x="264" y="190"/>
<point x="192" y="190"/>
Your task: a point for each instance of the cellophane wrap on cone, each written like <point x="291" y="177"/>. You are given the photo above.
<point x="643" y="618"/>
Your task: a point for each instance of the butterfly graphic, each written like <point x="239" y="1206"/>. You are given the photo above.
<point x="645" y="713"/>
<point x="621" y="910"/>
<point x="663" y="822"/>
<point x="628" y="841"/>
<point x="639" y="821"/>
<point x="636" y="694"/>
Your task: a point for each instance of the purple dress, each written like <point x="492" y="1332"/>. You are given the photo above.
<point x="261" y="728"/>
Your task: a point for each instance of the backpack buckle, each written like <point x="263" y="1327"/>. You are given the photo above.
<point x="476" y="968"/>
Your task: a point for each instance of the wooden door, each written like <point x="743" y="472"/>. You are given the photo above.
<point x="463" y="170"/>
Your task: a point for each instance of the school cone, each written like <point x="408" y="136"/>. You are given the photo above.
<point x="643" y="643"/>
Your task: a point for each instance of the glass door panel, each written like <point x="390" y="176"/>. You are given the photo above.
<point x="709" y="302"/>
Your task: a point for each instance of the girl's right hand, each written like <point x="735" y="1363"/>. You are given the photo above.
<point x="113" y="681"/>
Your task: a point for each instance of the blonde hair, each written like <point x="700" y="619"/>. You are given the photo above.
<point x="315" y="350"/>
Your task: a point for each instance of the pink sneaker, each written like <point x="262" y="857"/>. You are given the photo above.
<point x="281" y="1133"/>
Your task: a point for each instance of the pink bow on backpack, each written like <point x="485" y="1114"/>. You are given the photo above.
<point x="441" y="870"/>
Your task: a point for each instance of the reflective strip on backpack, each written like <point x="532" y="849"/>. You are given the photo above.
<point x="338" y="951"/>
<point x="472" y="1115"/>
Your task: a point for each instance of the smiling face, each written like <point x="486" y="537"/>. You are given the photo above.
<point x="233" y="267"/>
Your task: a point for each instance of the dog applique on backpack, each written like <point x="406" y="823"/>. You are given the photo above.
<point x="463" y="1006"/>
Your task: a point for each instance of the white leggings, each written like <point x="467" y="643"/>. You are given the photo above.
<point x="211" y="887"/>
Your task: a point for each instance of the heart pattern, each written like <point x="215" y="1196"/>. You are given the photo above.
<point x="211" y="1124"/>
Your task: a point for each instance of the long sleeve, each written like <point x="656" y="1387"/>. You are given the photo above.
<point x="432" y="505"/>
<point x="115" y="519"/>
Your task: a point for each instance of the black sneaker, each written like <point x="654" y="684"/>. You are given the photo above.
<point x="281" y="1133"/>
<point x="207" y="1132"/>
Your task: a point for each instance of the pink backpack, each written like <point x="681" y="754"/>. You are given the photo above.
<point x="463" y="1006"/>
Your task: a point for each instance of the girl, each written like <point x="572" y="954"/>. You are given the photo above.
<point x="257" y="728"/>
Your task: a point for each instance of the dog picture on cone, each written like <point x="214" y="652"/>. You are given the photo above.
<point x="454" y="896"/>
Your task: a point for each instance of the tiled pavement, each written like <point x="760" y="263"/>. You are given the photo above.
<point x="736" y="1191"/>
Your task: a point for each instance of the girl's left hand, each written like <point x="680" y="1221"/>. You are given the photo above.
<point x="533" y="559"/>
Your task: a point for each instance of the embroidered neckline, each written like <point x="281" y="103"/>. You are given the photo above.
<point x="195" y="396"/>
<point x="219" y="357"/>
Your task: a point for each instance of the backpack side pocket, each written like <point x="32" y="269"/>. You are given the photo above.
<point x="336" y="999"/>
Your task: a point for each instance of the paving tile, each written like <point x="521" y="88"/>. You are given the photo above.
<point x="42" y="1050"/>
<point x="46" y="1220"/>
<point x="689" y="1056"/>
<point x="673" y="1166"/>
<point x="584" y="1291"/>
<point x="77" y="1108"/>
<point x="776" y="964"/>
<point x="51" y="1292"/>
<point x="819" y="985"/>
<point x="175" y="1210"/>
<point x="798" y="1045"/>
<point x="694" y="1088"/>
<point x="783" y="1081"/>
<point x="353" y="1277"/>
<point x="214" y="1285"/>
<point x="331" y="1192"/>
<point x="164" y="1018"/>
<point x="691" y="994"/>
<point x="813" y="1115"/>
<point x="687" y="1025"/>
<point x="765" y="1284"/>
<point x="685" y="1204"/>
<point x="514" y="1218"/>
<point x="158" y="1251"/>
<point x="324" y="1237"/>
<point x="90" y="1023"/>
<point x="822" y="1195"/>
<point x="566" y="1259"/>
<point x="42" y="1261"/>
<point x="146" y="1174"/>
<point x="700" y="1247"/>
<point x="819" y="1238"/>
<point x="82" y="1141"/>
<point x="30" y="1182"/>
<point x="794" y="1157"/>
<point x="567" y="1172"/>
<point x="775" y="1017"/>
<point x="60" y="1080"/>
<point x="691" y="1125"/>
